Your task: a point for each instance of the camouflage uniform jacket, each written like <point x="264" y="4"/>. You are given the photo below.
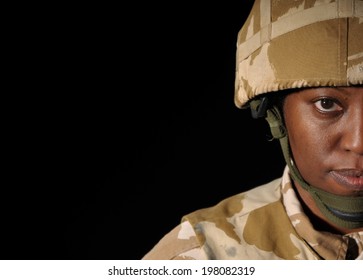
<point x="266" y="222"/>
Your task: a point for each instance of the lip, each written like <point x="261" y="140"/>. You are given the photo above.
<point x="350" y="178"/>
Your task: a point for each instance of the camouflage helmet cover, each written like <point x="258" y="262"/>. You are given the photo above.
<point x="286" y="44"/>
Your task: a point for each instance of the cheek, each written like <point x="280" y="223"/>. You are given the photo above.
<point x="309" y="148"/>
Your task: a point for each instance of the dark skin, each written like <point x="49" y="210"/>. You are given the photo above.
<point x="325" y="129"/>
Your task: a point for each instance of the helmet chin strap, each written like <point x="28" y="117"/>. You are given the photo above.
<point x="343" y="211"/>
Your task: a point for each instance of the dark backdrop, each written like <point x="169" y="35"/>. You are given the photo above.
<point x="127" y="123"/>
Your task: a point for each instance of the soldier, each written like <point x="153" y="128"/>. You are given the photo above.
<point x="299" y="64"/>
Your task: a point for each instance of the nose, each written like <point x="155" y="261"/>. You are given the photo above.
<point x="352" y="140"/>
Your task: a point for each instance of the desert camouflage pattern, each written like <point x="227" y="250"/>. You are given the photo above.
<point x="265" y="223"/>
<point x="287" y="44"/>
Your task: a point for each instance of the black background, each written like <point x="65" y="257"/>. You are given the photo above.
<point x="124" y="121"/>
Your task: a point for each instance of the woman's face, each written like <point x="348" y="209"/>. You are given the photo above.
<point x="325" y="129"/>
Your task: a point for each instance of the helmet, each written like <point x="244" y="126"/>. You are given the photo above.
<point x="288" y="44"/>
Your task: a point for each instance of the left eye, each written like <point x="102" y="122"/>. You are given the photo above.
<point x="327" y="105"/>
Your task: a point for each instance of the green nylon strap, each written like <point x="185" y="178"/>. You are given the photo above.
<point x="344" y="211"/>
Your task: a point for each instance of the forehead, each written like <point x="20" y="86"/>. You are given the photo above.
<point x="353" y="94"/>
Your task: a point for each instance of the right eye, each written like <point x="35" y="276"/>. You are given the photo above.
<point x="327" y="105"/>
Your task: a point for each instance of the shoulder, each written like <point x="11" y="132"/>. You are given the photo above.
<point x="207" y="232"/>
<point x="180" y="243"/>
<point x="244" y="226"/>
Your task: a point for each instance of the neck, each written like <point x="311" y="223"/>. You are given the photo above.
<point x="319" y="221"/>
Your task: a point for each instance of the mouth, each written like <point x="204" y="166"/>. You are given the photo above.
<point x="350" y="178"/>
